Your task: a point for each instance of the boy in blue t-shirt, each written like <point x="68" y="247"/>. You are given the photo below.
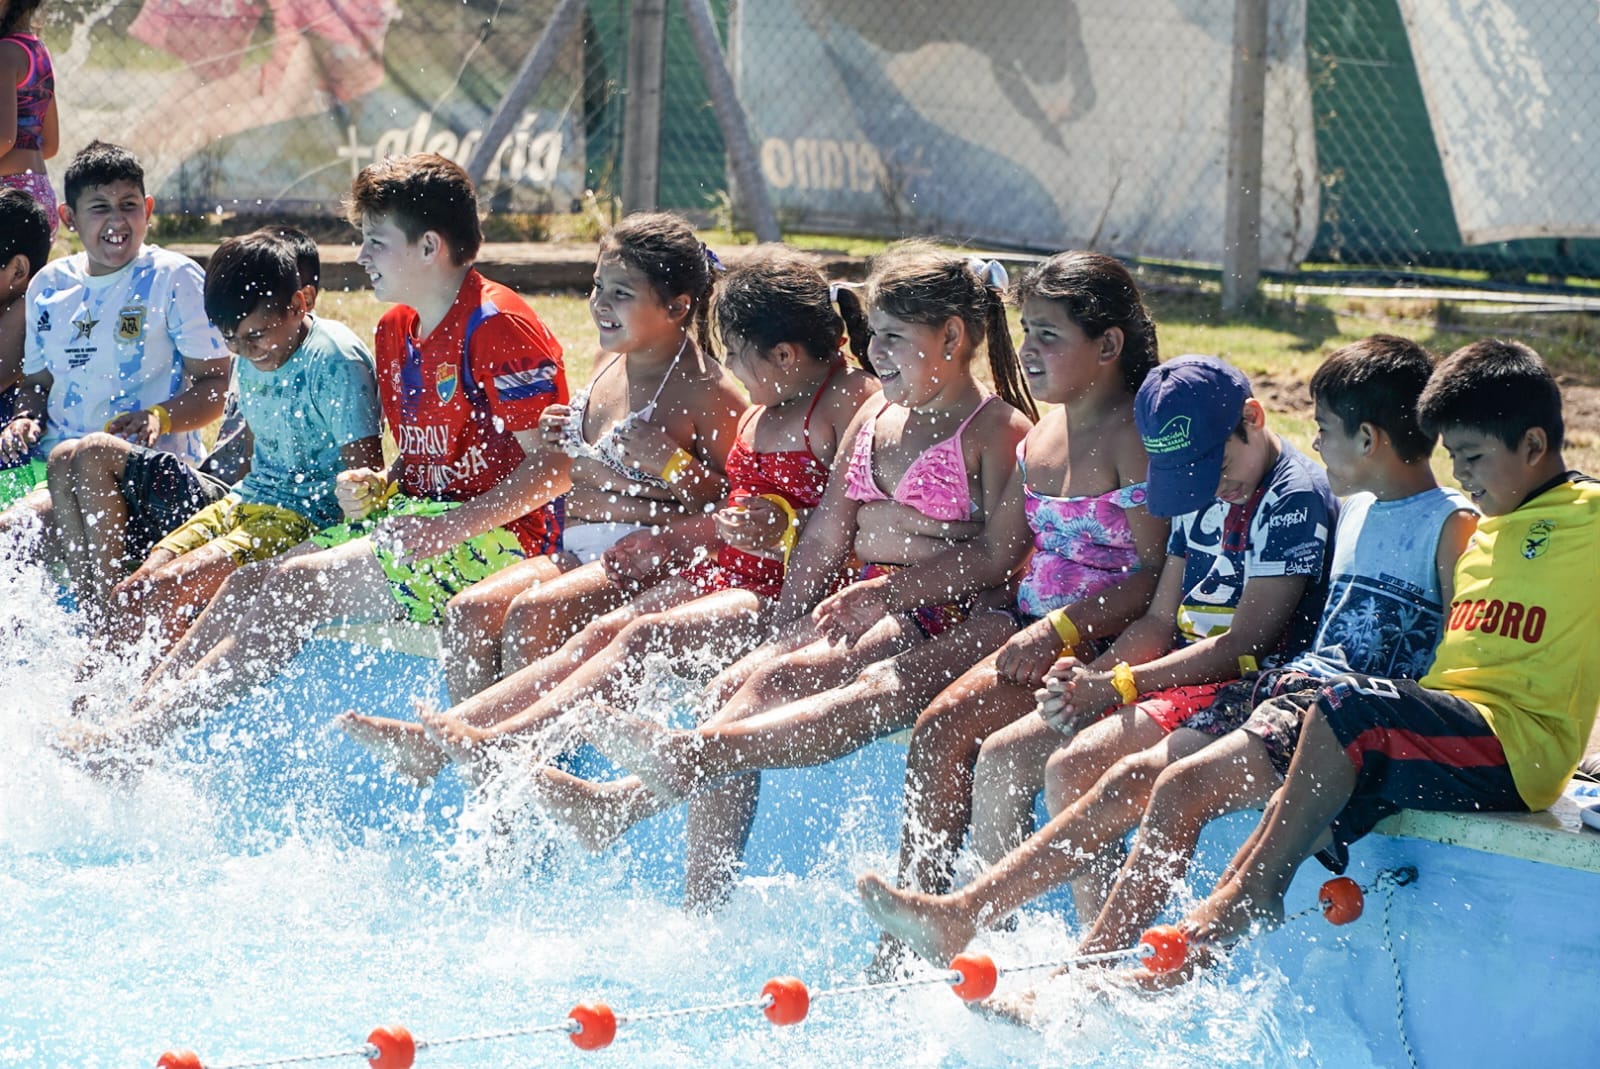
<point x="1244" y="581"/>
<point x="308" y="395"/>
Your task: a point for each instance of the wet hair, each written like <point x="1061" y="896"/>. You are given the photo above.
<point x="663" y="247"/>
<point x="100" y="163"/>
<point x="16" y="15"/>
<point x="24" y="229"/>
<point x="1097" y="293"/>
<point x="919" y="283"/>
<point x="1377" y="380"/>
<point x="1497" y="387"/>
<point x="780" y="295"/>
<point x="420" y="192"/>
<point x="307" y="256"/>
<point x="249" y="273"/>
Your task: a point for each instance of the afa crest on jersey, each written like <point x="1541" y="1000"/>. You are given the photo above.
<point x="130" y="322"/>
<point x="445" y="382"/>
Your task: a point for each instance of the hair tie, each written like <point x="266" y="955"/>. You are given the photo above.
<point x="835" y="287"/>
<point x="990" y="272"/>
<point x="712" y="261"/>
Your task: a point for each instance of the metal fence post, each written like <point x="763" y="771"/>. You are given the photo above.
<point x="641" y="117"/>
<point x="749" y="186"/>
<point x="534" y="67"/>
<point x="1241" y="249"/>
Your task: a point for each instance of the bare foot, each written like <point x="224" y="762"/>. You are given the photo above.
<point x="1229" y="912"/>
<point x="456" y="739"/>
<point x="931" y="925"/>
<point x="402" y="746"/>
<point x="591" y="810"/>
<point x="662" y="758"/>
<point x="1014" y="1007"/>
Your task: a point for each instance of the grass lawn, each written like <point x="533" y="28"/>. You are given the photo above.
<point x="1278" y="346"/>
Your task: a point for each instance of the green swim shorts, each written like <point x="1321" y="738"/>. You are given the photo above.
<point x="422" y="587"/>
<point x="18" y="482"/>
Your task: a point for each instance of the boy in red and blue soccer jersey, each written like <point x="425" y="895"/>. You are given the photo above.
<point x="465" y="368"/>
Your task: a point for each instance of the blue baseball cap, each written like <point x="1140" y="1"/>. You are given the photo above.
<point x="1185" y="410"/>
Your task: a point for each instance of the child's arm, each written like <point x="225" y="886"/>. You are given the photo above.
<point x="1453" y="538"/>
<point x="193" y="407"/>
<point x="829" y="536"/>
<point x="363" y="454"/>
<point x="538" y="480"/>
<point x="27" y="423"/>
<point x="50" y="135"/>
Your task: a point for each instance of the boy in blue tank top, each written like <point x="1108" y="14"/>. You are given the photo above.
<point x="1395" y="547"/>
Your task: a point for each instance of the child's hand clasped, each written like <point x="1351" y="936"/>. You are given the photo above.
<point x="1074" y="696"/>
<point x="17" y="439"/>
<point x="553" y="426"/>
<point x="636" y="557"/>
<point x="844" y="617"/>
<point x="1029" y="655"/>
<point x="360" y="491"/>
<point x="644" y="446"/>
<point x="141" y="428"/>
<point x="753" y="525"/>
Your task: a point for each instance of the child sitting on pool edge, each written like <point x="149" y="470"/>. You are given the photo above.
<point x="1499" y="722"/>
<point x="465" y="370"/>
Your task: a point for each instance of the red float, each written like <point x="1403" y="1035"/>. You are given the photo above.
<point x="597" y="1025"/>
<point x="396" y="1049"/>
<point x="1164" y="948"/>
<point x="1342" y="900"/>
<point x="179" y="1059"/>
<point x="789" y="1001"/>
<point x="978" y="976"/>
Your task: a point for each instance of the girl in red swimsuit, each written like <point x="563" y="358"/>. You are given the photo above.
<point x="782" y="336"/>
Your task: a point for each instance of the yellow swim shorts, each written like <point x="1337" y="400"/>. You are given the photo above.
<point x="422" y="587"/>
<point x="247" y="532"/>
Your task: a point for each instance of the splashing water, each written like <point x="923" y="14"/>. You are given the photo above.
<point x="266" y="891"/>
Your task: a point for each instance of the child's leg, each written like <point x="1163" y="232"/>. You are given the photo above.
<point x="259" y="620"/>
<point x="819" y="728"/>
<point x="938" y="926"/>
<point x="167" y="591"/>
<point x="543" y="618"/>
<point x="937" y="799"/>
<point x="1235" y="773"/>
<point x="91" y="514"/>
<point x="475" y="618"/>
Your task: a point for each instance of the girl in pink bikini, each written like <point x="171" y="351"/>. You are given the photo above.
<point x="926" y="467"/>
<point x="31" y="137"/>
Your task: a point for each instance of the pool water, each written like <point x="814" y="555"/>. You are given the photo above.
<point x="271" y="894"/>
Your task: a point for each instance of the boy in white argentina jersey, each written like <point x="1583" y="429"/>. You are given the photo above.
<point x="118" y="351"/>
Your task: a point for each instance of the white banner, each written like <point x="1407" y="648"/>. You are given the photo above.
<point x="1046" y="125"/>
<point x="1512" y="89"/>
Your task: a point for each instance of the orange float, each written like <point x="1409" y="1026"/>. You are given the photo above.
<point x="396" y="1049"/>
<point x="1164" y="948"/>
<point x="1341" y="899"/>
<point x="597" y="1025"/>
<point x="179" y="1059"/>
<point x="788" y="1000"/>
<point x="977" y="976"/>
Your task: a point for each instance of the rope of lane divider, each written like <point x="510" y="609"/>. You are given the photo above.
<point x="785" y="1000"/>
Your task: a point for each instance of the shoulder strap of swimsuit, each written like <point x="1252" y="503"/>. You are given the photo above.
<point x="973" y="415"/>
<point x="805" y="428"/>
<point x="649" y="409"/>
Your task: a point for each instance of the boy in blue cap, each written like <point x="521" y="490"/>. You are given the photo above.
<point x="1243" y="586"/>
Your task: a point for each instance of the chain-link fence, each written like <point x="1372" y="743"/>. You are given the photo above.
<point x="1396" y="133"/>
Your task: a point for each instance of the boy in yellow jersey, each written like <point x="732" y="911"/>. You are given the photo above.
<point x="1501" y="719"/>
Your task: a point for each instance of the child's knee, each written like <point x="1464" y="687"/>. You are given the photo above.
<point x="99" y="453"/>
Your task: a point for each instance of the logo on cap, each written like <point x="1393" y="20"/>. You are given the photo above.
<point x="1173" y="437"/>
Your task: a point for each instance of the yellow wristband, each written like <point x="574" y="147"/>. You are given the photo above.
<point x="163" y="418"/>
<point x="676" y="463"/>
<point x="1065" y="628"/>
<point x="791" y="532"/>
<point x="1122" y="682"/>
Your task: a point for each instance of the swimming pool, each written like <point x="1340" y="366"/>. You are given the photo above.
<point x="272" y="895"/>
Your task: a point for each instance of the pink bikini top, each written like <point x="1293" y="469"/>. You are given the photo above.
<point x="935" y="484"/>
